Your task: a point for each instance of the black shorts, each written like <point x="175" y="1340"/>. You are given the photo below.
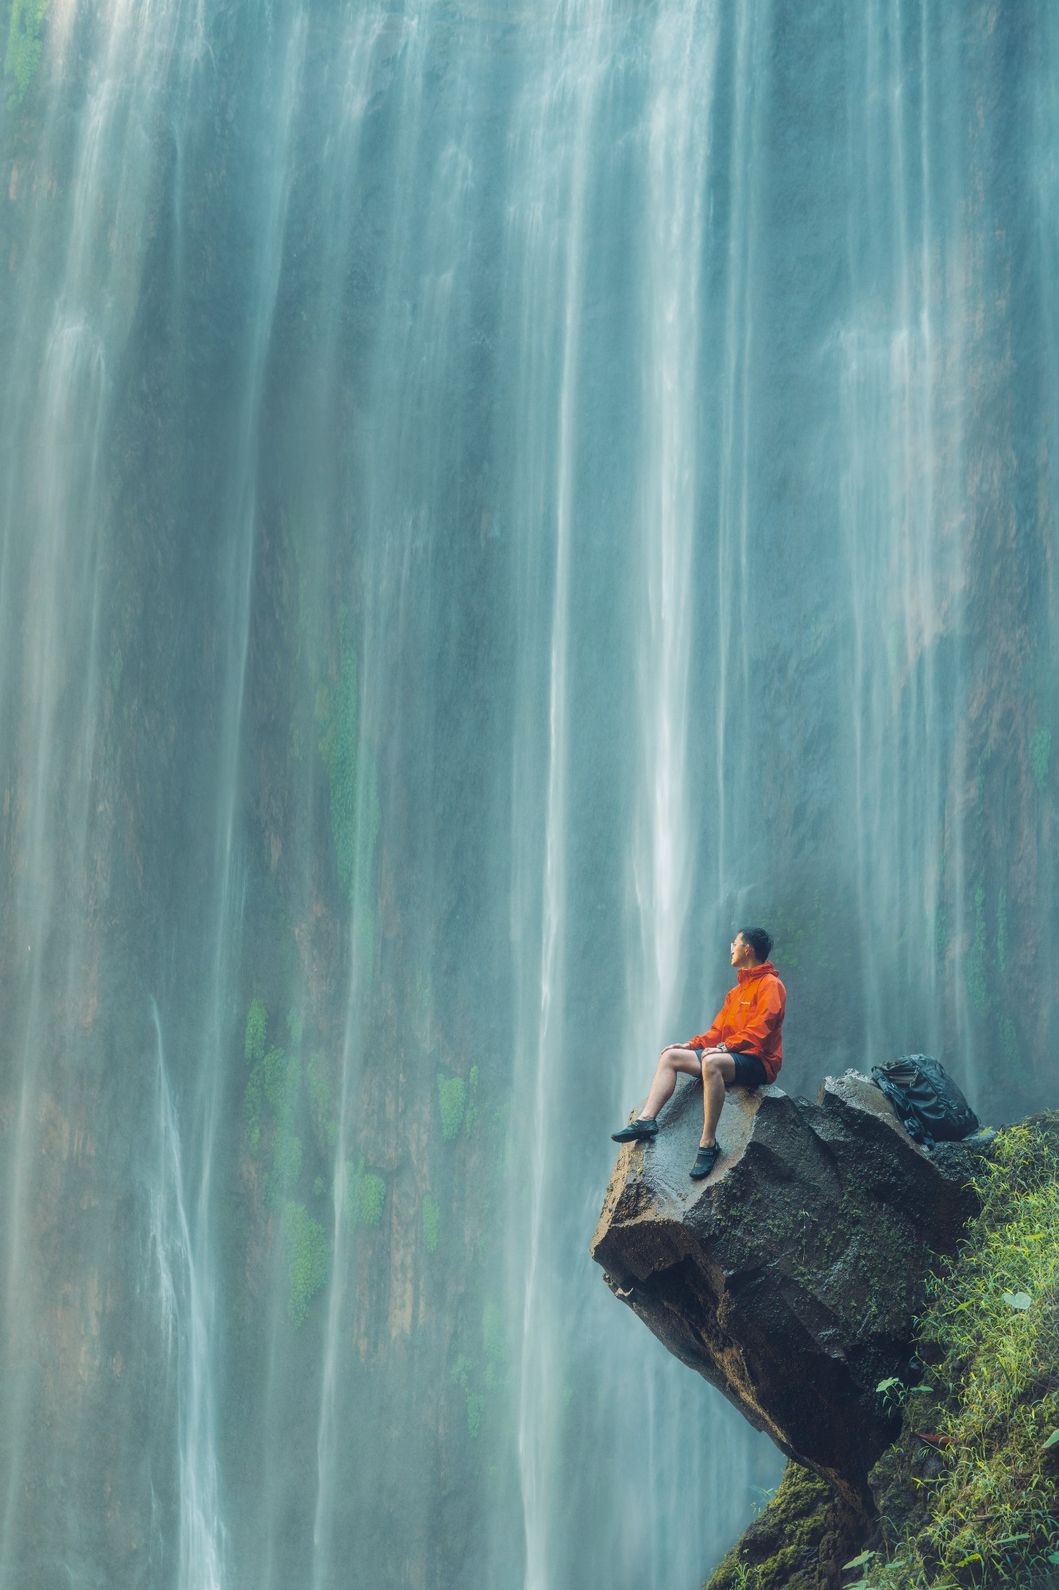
<point x="749" y="1071"/>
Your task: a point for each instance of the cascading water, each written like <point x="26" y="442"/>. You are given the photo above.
<point x="185" y="1310"/>
<point x="494" y="497"/>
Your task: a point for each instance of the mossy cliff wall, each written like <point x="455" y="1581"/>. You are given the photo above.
<point x="799" y="1541"/>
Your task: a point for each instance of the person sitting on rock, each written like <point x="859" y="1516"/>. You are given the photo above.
<point x="742" y="1048"/>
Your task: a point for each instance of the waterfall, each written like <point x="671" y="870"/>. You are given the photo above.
<point x="493" y="498"/>
<point x="185" y="1279"/>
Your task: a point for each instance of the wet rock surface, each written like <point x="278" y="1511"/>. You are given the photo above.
<point x="791" y="1276"/>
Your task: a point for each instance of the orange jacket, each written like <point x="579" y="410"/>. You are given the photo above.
<point x="751" y="1019"/>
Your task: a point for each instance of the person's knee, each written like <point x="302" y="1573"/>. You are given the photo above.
<point x="711" y="1070"/>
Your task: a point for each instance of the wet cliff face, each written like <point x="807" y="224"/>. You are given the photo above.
<point x="491" y="500"/>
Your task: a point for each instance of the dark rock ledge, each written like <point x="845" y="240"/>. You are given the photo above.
<point x="791" y="1277"/>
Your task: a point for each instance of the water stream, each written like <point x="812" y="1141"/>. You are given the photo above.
<point x="493" y="497"/>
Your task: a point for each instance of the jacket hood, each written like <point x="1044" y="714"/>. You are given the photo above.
<point x="748" y="974"/>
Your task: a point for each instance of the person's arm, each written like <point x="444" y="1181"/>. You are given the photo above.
<point x="709" y="1039"/>
<point x="761" y="1021"/>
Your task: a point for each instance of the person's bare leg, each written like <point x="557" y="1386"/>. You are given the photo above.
<point x="670" y="1062"/>
<point x="717" y="1071"/>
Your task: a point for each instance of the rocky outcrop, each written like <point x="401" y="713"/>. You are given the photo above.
<point x="791" y="1277"/>
<point x="798" y="1542"/>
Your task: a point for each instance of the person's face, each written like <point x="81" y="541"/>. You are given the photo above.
<point x="742" y="952"/>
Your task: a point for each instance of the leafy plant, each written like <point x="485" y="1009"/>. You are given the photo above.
<point x="891" y="1391"/>
<point x="989" y="1515"/>
<point x="308" y="1259"/>
<point x="861" y="1561"/>
<point x="452" y="1102"/>
<point x="367" y="1196"/>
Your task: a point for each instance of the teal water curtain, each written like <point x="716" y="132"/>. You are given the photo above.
<point x="494" y="496"/>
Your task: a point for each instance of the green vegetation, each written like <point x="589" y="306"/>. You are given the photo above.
<point x="25" y="44"/>
<point x="256" y="1031"/>
<point x="275" y="1107"/>
<point x="308" y="1259"/>
<point x="452" y="1101"/>
<point x="1041" y="757"/>
<point x="969" y="1493"/>
<point x="978" y="1504"/>
<point x="459" y="1106"/>
<point x="366" y="1197"/>
<point x="482" y="1373"/>
<point x="791" y="1544"/>
<point x="431" y="1223"/>
<point x="272" y="1099"/>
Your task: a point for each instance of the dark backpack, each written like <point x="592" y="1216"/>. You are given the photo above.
<point x="927" y="1101"/>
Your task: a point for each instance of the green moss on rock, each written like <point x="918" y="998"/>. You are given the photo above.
<point x="798" y="1542"/>
<point x="366" y="1197"/>
<point x="25" y="45"/>
<point x="463" y="1374"/>
<point x="280" y="1098"/>
<point x="272" y="1097"/>
<point x="481" y="1370"/>
<point x="273" y="1109"/>
<point x="308" y="1259"/>
<point x="256" y="1031"/>
<point x="452" y="1102"/>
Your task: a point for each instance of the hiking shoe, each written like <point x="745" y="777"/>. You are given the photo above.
<point x="635" y="1131"/>
<point x="705" y="1160"/>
